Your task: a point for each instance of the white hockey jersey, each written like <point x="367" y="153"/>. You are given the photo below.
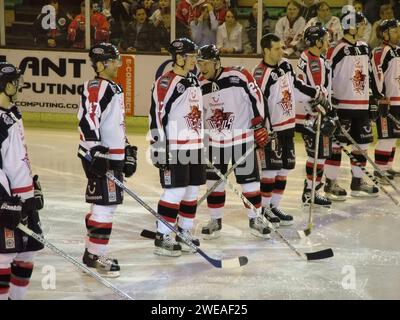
<point x="386" y="69"/>
<point x="176" y="112"/>
<point x="101" y="117"/>
<point x="314" y="71"/>
<point x="282" y="88"/>
<point x="15" y="169"/>
<point x="231" y="101"/>
<point x="352" y="79"/>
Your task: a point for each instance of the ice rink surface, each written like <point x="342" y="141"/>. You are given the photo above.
<point x="364" y="235"/>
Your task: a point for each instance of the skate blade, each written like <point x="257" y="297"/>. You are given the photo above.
<point x="104" y="274"/>
<point x="167" y="253"/>
<point x="259" y="235"/>
<point x="361" y="194"/>
<point x="317" y="206"/>
<point x="212" y="236"/>
<point x="335" y="198"/>
<point x="286" y="223"/>
<point x="186" y="248"/>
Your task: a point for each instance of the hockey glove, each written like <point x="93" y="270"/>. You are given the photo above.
<point x="38" y="193"/>
<point x="130" y="160"/>
<point x="100" y="162"/>
<point x="373" y="109"/>
<point x="160" y="157"/>
<point x="10" y="213"/>
<point x="260" y="132"/>
<point x="328" y="126"/>
<point x="320" y="101"/>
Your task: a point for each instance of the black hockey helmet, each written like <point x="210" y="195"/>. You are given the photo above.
<point x="103" y="52"/>
<point x="182" y="46"/>
<point x="8" y="73"/>
<point x="314" y="33"/>
<point x="209" y="52"/>
<point x="386" y="25"/>
<point x="350" y="18"/>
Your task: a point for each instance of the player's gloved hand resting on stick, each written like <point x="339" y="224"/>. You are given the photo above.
<point x="130" y="161"/>
<point x="39" y="200"/>
<point x="100" y="163"/>
<point x="260" y="132"/>
<point x="319" y="101"/>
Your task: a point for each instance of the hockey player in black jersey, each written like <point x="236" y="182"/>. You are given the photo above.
<point x="20" y="193"/>
<point x="176" y="130"/>
<point x="101" y="118"/>
<point x="386" y="66"/>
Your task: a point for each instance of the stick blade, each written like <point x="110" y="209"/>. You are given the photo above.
<point x="148" y="234"/>
<point x="234" y="262"/>
<point x="319" y="255"/>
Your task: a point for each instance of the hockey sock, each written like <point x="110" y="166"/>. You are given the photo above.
<point x="267" y="186"/>
<point x="355" y="169"/>
<point x="5" y="276"/>
<point x="252" y="193"/>
<point x="279" y="187"/>
<point x="168" y="207"/>
<point x="332" y="164"/>
<point x="99" y="228"/>
<point x="216" y="200"/>
<point x="87" y="217"/>
<point x="384" y="153"/>
<point x="188" y="207"/>
<point x="391" y="159"/>
<point x="21" y="273"/>
<point x="309" y="171"/>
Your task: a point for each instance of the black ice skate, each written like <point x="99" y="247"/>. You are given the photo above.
<point x="106" y="267"/>
<point x="165" y="245"/>
<point x="187" y="234"/>
<point x="267" y="213"/>
<point x="259" y="228"/>
<point x="359" y="188"/>
<point x="319" y="200"/>
<point x="286" y="219"/>
<point x="380" y="176"/>
<point x="212" y="230"/>
<point x="333" y="191"/>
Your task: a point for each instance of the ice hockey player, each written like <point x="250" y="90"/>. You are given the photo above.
<point x="386" y="66"/>
<point x="20" y="194"/>
<point x="314" y="71"/>
<point x="234" y="120"/>
<point x="354" y="93"/>
<point x="177" y="133"/>
<point x="281" y="89"/>
<point x="101" y="118"/>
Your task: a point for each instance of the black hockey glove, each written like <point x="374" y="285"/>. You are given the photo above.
<point x="320" y="101"/>
<point x="373" y="108"/>
<point x="100" y="162"/>
<point x="160" y="158"/>
<point x="130" y="161"/>
<point x="38" y="193"/>
<point x="328" y="126"/>
<point x="10" y="212"/>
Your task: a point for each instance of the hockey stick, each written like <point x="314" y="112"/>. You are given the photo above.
<point x="365" y="154"/>
<point x="76" y="263"/>
<point x="367" y="173"/>
<point x="306" y="232"/>
<point x="218" y="263"/>
<point x="318" y="255"/>
<point x="394" y="119"/>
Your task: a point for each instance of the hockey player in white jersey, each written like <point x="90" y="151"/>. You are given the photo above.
<point x="20" y="194"/>
<point x="314" y="71"/>
<point x="386" y="66"/>
<point x="101" y="118"/>
<point x="234" y="120"/>
<point x="177" y="132"/>
<point x="281" y="88"/>
<point x="355" y="98"/>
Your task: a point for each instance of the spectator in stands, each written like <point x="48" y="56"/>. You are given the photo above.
<point x="219" y="10"/>
<point x="371" y="9"/>
<point x="332" y="23"/>
<point x="359" y="7"/>
<point x="149" y="6"/>
<point x="308" y="9"/>
<point x="99" y="27"/>
<point x="290" y="28"/>
<point x="187" y="10"/>
<point x="157" y="17"/>
<point x="139" y="35"/>
<point x="52" y="36"/>
<point x="163" y="32"/>
<point x="120" y="19"/>
<point x="229" y="34"/>
<point x="250" y="36"/>
<point x="386" y="13"/>
<point x="204" y="28"/>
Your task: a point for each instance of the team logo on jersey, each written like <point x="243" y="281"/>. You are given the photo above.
<point x="193" y="118"/>
<point x="6" y="119"/>
<point x="359" y="79"/>
<point x="367" y="129"/>
<point x="258" y="73"/>
<point x="234" y="80"/>
<point x="286" y="102"/>
<point x="164" y="82"/>
<point x="221" y="120"/>
<point x="314" y="66"/>
<point x="180" y="88"/>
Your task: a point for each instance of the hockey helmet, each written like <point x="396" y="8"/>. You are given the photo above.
<point x="350" y="18"/>
<point x="182" y="46"/>
<point x="314" y="33"/>
<point x="103" y="52"/>
<point x="209" y="52"/>
<point x="9" y="73"/>
<point x="386" y="25"/>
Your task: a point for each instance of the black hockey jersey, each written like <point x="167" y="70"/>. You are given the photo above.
<point x="230" y="103"/>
